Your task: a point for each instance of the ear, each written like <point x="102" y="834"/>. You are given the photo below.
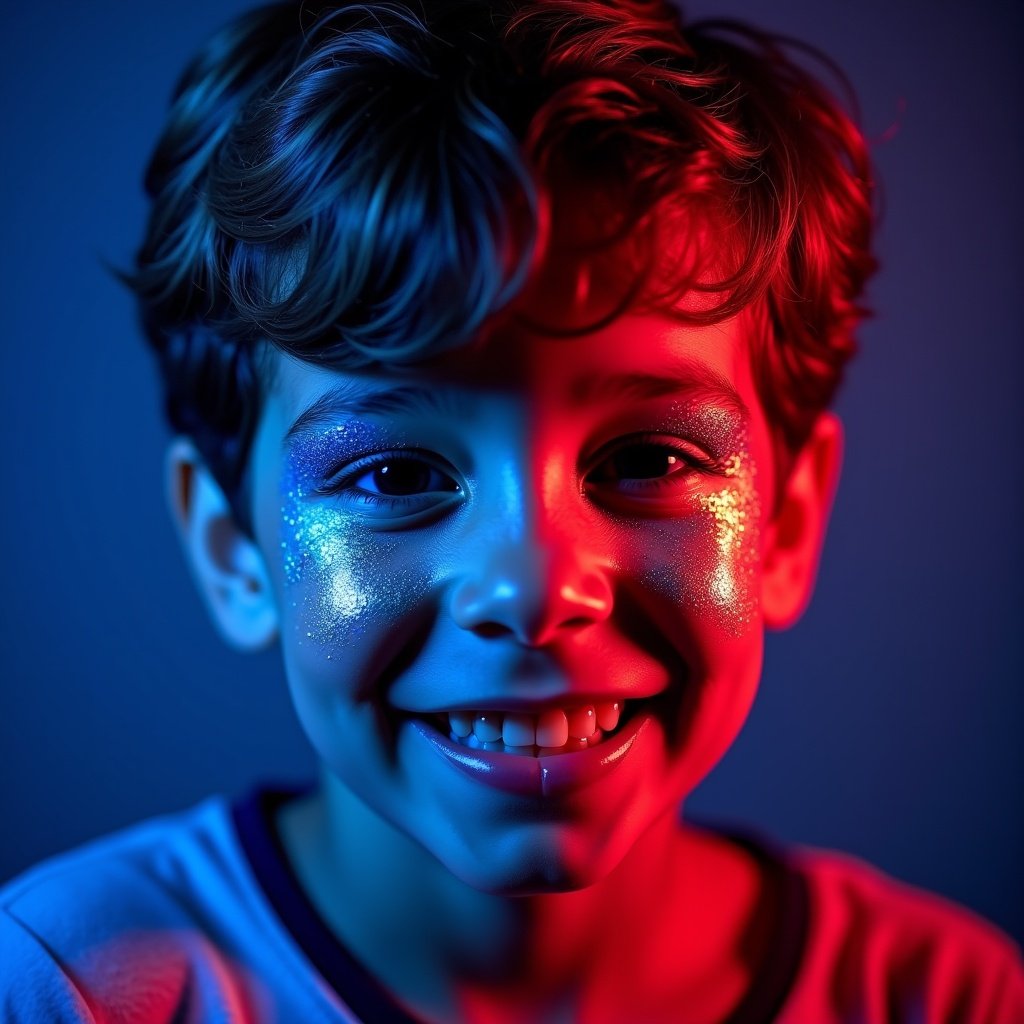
<point x="794" y="537"/>
<point x="226" y="563"/>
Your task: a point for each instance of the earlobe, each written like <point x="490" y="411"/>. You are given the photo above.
<point x="796" y="533"/>
<point x="227" y="565"/>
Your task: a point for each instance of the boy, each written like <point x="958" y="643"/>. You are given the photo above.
<point x="498" y="339"/>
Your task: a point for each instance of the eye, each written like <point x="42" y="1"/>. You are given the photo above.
<point x="647" y="471"/>
<point x="643" y="464"/>
<point x="403" y="476"/>
<point x="401" y="487"/>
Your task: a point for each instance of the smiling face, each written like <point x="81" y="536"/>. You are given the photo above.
<point x="550" y="545"/>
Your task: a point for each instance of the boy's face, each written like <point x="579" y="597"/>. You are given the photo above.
<point x="534" y="527"/>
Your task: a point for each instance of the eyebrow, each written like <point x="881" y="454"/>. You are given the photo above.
<point x="349" y="399"/>
<point x="688" y="376"/>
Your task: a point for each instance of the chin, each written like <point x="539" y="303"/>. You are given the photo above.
<point x="536" y="859"/>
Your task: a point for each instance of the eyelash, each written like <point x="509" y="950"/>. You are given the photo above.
<point x="695" y="460"/>
<point x="341" y="484"/>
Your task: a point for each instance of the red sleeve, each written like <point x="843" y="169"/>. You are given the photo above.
<point x="879" y="951"/>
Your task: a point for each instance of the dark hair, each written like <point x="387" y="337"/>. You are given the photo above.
<point x="372" y="183"/>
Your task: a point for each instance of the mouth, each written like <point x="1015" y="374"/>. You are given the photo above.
<point x="545" y="752"/>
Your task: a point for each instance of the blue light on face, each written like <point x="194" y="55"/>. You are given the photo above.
<point x="340" y="570"/>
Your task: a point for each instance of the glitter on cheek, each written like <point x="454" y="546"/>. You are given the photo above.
<point x="732" y="580"/>
<point x="344" y="578"/>
<point x="711" y="566"/>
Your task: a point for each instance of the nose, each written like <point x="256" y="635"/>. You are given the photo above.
<point x="533" y="592"/>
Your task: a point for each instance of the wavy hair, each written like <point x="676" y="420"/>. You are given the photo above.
<point x="371" y="183"/>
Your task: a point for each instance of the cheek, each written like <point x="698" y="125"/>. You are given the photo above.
<point x="344" y="588"/>
<point x="708" y="563"/>
<point x="703" y="570"/>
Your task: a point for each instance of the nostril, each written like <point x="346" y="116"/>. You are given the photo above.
<point x="579" y="620"/>
<point x="488" y="630"/>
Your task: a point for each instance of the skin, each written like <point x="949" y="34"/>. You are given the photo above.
<point x="548" y="545"/>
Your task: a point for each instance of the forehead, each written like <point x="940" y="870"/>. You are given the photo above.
<point x="636" y="356"/>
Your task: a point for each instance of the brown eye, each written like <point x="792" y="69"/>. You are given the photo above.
<point x="641" y="462"/>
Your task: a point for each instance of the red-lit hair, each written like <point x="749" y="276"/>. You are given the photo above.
<point x="740" y="182"/>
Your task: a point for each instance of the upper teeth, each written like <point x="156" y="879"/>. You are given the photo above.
<point x="552" y="728"/>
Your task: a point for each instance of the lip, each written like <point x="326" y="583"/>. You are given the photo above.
<point x="531" y="705"/>
<point x="552" y="775"/>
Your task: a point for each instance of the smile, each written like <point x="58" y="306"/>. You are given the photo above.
<point x="541" y="768"/>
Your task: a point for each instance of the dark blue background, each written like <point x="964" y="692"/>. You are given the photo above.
<point x="889" y="722"/>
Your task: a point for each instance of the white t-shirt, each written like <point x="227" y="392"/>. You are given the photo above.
<point x="197" y="917"/>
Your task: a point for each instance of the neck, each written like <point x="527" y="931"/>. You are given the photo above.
<point x="442" y="947"/>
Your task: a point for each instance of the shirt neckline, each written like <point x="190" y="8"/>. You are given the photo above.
<point x="253" y="820"/>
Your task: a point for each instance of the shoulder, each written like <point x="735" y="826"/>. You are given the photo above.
<point x="123" y="921"/>
<point x="883" y="950"/>
<point x="33" y="987"/>
<point x="130" y="876"/>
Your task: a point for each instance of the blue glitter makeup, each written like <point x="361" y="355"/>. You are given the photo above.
<point x="338" y="568"/>
<point x="307" y="540"/>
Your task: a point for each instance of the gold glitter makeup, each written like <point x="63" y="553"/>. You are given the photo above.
<point x="717" y="424"/>
<point x="711" y="565"/>
<point x="728" y="581"/>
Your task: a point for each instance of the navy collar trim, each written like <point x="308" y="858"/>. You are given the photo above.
<point x="786" y="913"/>
<point x="253" y="818"/>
